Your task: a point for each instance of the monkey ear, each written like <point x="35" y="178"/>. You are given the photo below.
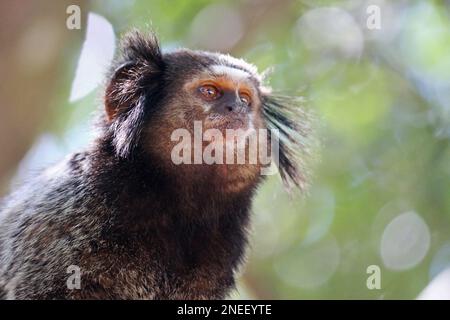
<point x="137" y="72"/>
<point x="133" y="87"/>
<point x="125" y="101"/>
<point x="116" y="99"/>
<point x="127" y="127"/>
<point x="125" y="110"/>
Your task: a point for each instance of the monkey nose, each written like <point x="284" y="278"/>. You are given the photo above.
<point x="225" y="109"/>
<point x="229" y="108"/>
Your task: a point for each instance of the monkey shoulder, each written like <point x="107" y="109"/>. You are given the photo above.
<point x="45" y="225"/>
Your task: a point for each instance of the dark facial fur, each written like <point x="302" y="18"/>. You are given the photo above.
<point x="137" y="225"/>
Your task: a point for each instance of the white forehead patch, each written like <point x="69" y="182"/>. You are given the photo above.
<point x="226" y="59"/>
<point x="233" y="73"/>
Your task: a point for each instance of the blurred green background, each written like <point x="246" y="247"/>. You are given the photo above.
<point x="380" y="194"/>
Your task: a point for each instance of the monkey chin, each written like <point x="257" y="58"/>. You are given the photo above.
<point x="236" y="171"/>
<point x="239" y="177"/>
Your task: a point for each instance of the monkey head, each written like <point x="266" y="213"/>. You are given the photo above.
<point x="151" y="95"/>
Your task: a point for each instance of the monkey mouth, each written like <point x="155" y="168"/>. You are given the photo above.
<point x="224" y="123"/>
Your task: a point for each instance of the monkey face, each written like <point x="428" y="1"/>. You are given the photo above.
<point x="224" y="98"/>
<point x="219" y="91"/>
<point x="218" y="94"/>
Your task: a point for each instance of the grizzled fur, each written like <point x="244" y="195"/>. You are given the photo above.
<point x="138" y="226"/>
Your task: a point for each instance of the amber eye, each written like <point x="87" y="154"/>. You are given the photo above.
<point x="209" y="91"/>
<point x="245" y="98"/>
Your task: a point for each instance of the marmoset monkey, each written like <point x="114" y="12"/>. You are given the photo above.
<point x="134" y="223"/>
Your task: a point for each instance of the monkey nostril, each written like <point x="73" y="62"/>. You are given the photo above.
<point x="229" y="108"/>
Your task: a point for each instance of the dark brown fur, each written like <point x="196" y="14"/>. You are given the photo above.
<point x="138" y="226"/>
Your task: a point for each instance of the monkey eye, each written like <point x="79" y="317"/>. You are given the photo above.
<point x="210" y="92"/>
<point x="245" y="98"/>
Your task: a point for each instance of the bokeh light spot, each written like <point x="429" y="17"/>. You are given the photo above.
<point x="309" y="266"/>
<point x="217" y="27"/>
<point x="405" y="241"/>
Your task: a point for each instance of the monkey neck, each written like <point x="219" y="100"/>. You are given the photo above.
<point x="143" y="192"/>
